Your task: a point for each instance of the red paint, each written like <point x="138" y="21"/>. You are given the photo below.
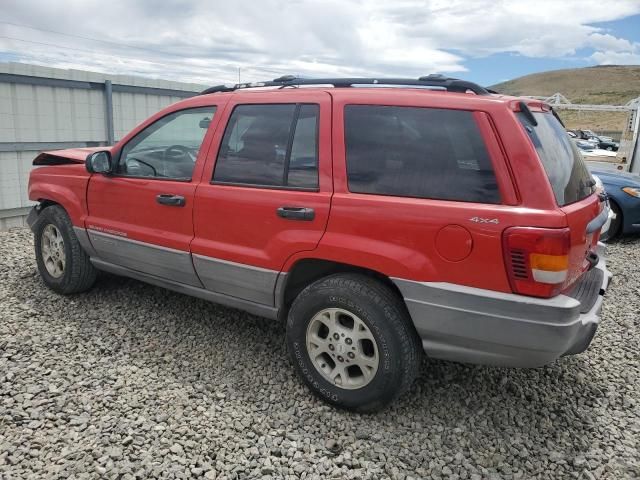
<point x="454" y="243"/>
<point x="410" y="238"/>
<point x="239" y="223"/>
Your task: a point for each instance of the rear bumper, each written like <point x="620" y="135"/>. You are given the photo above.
<point x="479" y="326"/>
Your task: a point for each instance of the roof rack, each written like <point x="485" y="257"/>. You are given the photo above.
<point x="433" y="80"/>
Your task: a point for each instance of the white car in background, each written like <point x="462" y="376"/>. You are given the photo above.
<point x="588" y="149"/>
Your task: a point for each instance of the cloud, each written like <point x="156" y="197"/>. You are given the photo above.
<point x="609" y="57"/>
<point x="206" y="41"/>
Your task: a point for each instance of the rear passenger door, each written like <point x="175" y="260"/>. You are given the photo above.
<point x="265" y="193"/>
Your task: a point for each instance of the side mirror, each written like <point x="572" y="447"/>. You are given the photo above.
<point x="99" y="162"/>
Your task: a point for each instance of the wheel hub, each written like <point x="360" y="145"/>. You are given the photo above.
<point x="342" y="348"/>
<point x="52" y="250"/>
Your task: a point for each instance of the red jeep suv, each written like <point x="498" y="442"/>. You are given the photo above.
<point x="381" y="218"/>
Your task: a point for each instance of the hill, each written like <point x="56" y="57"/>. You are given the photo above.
<point x="601" y="85"/>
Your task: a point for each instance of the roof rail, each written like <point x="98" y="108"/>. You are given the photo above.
<point x="433" y="80"/>
<point x="216" y="89"/>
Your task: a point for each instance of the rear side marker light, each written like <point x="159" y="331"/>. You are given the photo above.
<point x="537" y="259"/>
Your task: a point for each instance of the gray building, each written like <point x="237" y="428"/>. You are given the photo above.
<point x="45" y="108"/>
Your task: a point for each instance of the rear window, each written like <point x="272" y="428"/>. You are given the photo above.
<point x="562" y="161"/>
<point x="417" y="152"/>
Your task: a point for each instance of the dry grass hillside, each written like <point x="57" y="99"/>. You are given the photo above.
<point x="611" y="85"/>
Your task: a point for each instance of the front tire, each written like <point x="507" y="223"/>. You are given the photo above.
<point x="63" y="264"/>
<point x="352" y="342"/>
<point x="615" y="227"/>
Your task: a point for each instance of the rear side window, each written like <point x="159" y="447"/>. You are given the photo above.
<point x="418" y="152"/>
<point x="562" y="161"/>
<point x="271" y="145"/>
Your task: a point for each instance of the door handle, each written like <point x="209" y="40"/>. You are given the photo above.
<point x="296" y="213"/>
<point x="170" y="200"/>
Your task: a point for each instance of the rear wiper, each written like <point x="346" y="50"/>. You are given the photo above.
<point x="527" y="113"/>
<point x="555" y="114"/>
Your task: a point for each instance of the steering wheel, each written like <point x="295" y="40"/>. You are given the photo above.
<point x="178" y="152"/>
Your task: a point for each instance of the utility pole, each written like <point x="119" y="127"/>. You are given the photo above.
<point x="239" y="75"/>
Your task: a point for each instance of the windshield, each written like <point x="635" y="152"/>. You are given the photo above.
<point x="562" y="161"/>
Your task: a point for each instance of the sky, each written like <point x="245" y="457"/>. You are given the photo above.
<point x="213" y="41"/>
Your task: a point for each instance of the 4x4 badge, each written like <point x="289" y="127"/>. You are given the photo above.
<point x="484" y="220"/>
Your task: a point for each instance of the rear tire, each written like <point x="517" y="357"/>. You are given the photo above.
<point x="63" y="264"/>
<point x="360" y="328"/>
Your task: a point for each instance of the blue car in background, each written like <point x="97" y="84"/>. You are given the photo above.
<point x="623" y="191"/>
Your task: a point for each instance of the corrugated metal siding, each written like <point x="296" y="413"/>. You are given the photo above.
<point x="52" y="114"/>
<point x="129" y="109"/>
<point x="14" y="174"/>
<point x="37" y="113"/>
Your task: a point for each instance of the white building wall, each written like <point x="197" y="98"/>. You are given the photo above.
<point x="49" y="114"/>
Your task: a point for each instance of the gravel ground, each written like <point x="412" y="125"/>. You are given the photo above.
<point x="132" y="381"/>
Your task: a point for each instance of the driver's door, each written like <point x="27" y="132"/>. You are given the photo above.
<point x="140" y="216"/>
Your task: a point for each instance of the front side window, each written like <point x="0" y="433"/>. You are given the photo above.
<point x="167" y="148"/>
<point x="418" y="152"/>
<point x="272" y="145"/>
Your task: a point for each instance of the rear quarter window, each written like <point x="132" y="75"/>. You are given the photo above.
<point x="418" y="152"/>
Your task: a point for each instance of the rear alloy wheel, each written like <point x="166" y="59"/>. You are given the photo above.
<point x="342" y="348"/>
<point x="352" y="342"/>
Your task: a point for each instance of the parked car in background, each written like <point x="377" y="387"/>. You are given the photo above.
<point x="589" y="149"/>
<point x="623" y="193"/>
<point x="377" y="223"/>
<point x="601" y="142"/>
<point x="608" y="144"/>
<point x="585" y="136"/>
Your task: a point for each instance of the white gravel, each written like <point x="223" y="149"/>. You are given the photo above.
<point x="132" y="381"/>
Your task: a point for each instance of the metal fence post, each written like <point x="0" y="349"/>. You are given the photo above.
<point x="634" y="161"/>
<point x="108" y="96"/>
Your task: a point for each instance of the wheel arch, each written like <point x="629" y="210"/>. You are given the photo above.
<point x="70" y="197"/>
<point x="308" y="270"/>
<point x="620" y="212"/>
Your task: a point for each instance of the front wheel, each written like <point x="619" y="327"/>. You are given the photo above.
<point x="352" y="342"/>
<point x="615" y="226"/>
<point x="62" y="263"/>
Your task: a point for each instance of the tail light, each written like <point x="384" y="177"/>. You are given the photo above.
<point x="537" y="259"/>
